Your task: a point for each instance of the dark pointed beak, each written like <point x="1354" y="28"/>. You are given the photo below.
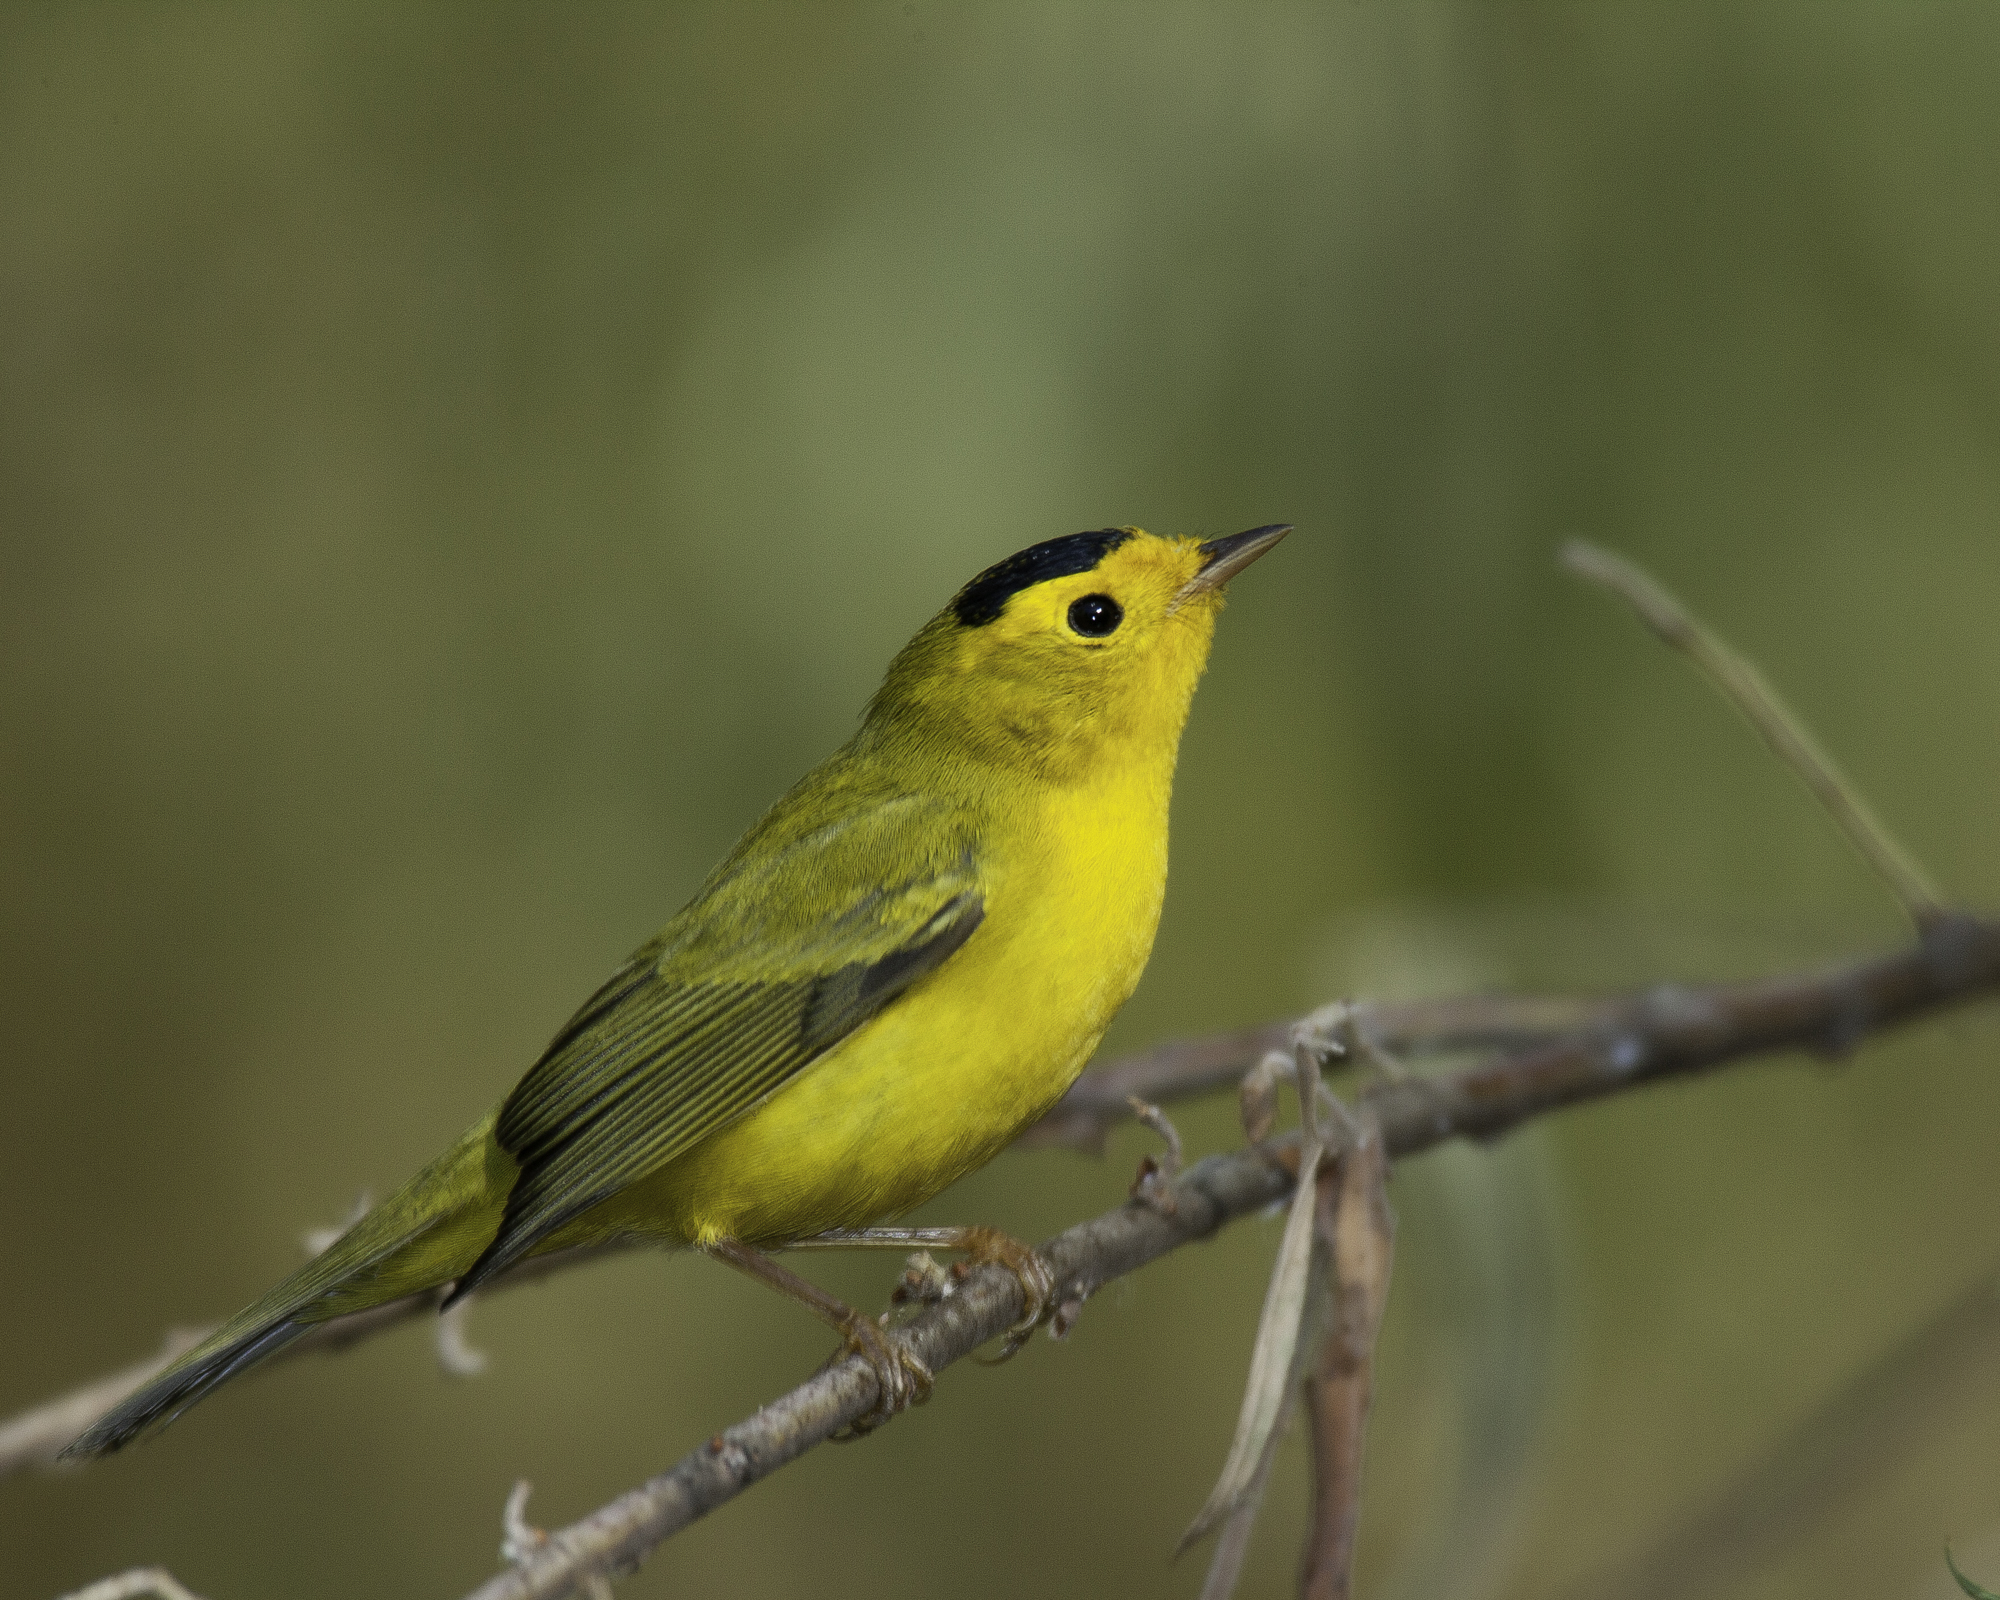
<point x="1222" y="559"/>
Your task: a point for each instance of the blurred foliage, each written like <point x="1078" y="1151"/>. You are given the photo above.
<point x="460" y="462"/>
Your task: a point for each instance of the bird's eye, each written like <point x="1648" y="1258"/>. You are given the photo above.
<point x="1095" y="615"/>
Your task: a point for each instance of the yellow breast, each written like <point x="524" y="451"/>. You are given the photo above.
<point x="960" y="1065"/>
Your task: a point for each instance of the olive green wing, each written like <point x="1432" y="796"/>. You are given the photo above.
<point x="802" y="936"/>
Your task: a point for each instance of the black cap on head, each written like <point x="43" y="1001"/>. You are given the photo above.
<point x="983" y="599"/>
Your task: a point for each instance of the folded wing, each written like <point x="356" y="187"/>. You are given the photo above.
<point x="796" y="941"/>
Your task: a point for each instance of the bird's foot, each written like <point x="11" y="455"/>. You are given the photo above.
<point x="901" y="1378"/>
<point x="924" y="1283"/>
<point x="1038" y="1285"/>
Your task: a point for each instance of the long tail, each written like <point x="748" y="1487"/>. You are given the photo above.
<point x="425" y="1234"/>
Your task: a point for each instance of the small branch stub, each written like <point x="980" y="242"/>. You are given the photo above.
<point x="521" y="1541"/>
<point x="1154" y="1185"/>
<point x="456" y="1355"/>
<point x="1257" y="1096"/>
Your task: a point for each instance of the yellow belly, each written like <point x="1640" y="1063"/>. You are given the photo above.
<point x="951" y="1073"/>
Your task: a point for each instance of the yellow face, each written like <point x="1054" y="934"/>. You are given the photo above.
<point x="1049" y="657"/>
<point x="1100" y="643"/>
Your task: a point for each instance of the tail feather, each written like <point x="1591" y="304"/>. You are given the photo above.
<point x="424" y="1235"/>
<point x="179" y="1387"/>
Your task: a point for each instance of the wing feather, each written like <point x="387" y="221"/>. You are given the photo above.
<point x="797" y="941"/>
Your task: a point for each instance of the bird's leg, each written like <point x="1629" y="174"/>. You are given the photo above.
<point x="900" y="1378"/>
<point x="979" y="1244"/>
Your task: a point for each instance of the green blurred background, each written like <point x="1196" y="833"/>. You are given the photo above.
<point x="458" y="464"/>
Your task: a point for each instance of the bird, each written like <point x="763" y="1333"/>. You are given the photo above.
<point x="900" y="967"/>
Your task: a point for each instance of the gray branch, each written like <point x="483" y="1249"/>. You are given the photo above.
<point x="1589" y="1049"/>
<point x="619" y="1536"/>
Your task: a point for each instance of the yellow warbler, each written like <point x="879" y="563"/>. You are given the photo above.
<point x="899" y="968"/>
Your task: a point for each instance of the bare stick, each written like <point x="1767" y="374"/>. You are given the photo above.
<point x="1101" y="1098"/>
<point x="1154" y="1183"/>
<point x="1182" y="1069"/>
<point x="131" y="1585"/>
<point x="1357" y="1231"/>
<point x="1775" y="722"/>
<point x="520" y="1538"/>
<point x="1652" y="1032"/>
<point x="619" y="1535"/>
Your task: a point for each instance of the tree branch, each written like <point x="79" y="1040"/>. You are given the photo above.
<point x="1551" y="1052"/>
<point x="1607" y="1046"/>
<point x="1412" y="1030"/>
<point x="1547" y="1051"/>
<point x="985" y="1304"/>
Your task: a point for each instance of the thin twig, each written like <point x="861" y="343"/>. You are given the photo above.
<point x="1828" y="1012"/>
<point x="520" y="1539"/>
<point x="456" y="1354"/>
<point x="1257" y="1095"/>
<point x="131" y="1585"/>
<point x="1672" y="1031"/>
<point x="1357" y="1231"/>
<point x="1154" y="1183"/>
<point x="1775" y="722"/>
<point x="1183" y="1069"/>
